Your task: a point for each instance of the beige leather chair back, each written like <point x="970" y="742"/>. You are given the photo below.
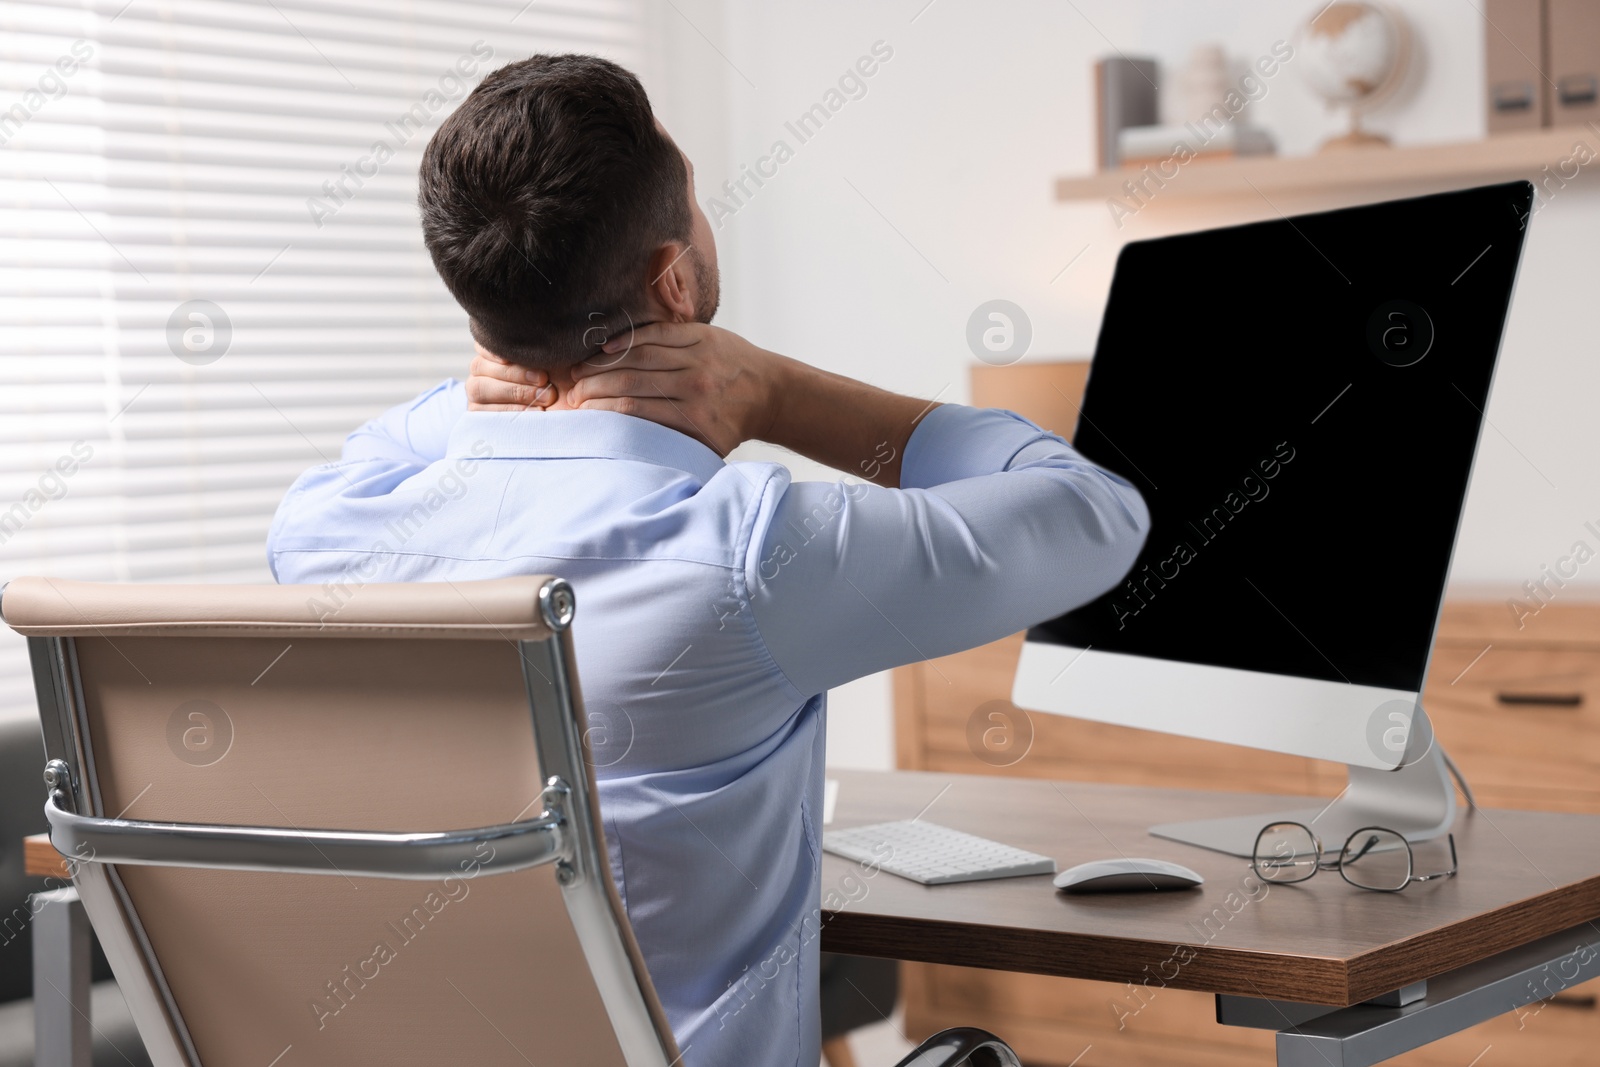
<point x="378" y="711"/>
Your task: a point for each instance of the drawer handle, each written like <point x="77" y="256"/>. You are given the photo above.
<point x="1577" y="90"/>
<point x="1541" y="700"/>
<point x="1510" y="97"/>
<point x="1581" y="1001"/>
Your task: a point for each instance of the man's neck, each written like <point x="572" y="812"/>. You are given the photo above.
<point x="561" y="377"/>
<point x="562" y="381"/>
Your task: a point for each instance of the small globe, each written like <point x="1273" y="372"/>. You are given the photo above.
<point x="1352" y="54"/>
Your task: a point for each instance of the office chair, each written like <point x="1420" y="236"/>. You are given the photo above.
<point x="201" y="740"/>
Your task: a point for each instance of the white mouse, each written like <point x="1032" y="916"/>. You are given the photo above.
<point x="1126" y="875"/>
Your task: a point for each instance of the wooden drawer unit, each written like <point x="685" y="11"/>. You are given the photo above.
<point x="1516" y="703"/>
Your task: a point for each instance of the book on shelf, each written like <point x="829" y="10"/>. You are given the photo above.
<point x="1140" y="145"/>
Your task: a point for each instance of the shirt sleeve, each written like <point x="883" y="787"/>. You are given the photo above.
<point x="414" y="433"/>
<point x="998" y="526"/>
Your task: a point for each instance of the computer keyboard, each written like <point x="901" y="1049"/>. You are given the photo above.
<point x="931" y="854"/>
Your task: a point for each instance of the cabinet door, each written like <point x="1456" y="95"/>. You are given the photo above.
<point x="1523" y="723"/>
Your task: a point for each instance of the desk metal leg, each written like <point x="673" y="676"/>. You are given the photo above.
<point x="1366" y="1034"/>
<point x="60" y="980"/>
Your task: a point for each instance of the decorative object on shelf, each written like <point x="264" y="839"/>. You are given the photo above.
<point x="1541" y="63"/>
<point x="1573" y="35"/>
<point x="1200" y="85"/>
<point x="1203" y="116"/>
<point x="1354" y="55"/>
<point x="1513" y="57"/>
<point x="1124" y="95"/>
<point x="1202" y="140"/>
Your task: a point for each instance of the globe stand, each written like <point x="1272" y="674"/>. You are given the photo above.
<point x="1356" y="138"/>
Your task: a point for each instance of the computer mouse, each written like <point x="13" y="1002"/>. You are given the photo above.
<point x="1126" y="876"/>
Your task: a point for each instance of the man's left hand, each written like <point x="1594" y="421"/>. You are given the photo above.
<point x="706" y="382"/>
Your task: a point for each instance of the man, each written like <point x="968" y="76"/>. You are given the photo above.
<point x="718" y="602"/>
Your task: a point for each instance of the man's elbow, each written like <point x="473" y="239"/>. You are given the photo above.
<point x="1131" y="543"/>
<point x="1125" y="525"/>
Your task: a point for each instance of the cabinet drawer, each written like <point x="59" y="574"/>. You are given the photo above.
<point x="1523" y="723"/>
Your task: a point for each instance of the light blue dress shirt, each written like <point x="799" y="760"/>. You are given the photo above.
<point x="717" y="604"/>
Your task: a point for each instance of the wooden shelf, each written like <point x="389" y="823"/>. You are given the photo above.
<point x="1504" y="156"/>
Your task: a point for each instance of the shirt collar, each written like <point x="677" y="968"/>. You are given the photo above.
<point x="579" y="435"/>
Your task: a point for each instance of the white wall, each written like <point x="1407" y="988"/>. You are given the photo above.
<point x="868" y="250"/>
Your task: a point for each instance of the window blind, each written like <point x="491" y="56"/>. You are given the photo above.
<point x="210" y="263"/>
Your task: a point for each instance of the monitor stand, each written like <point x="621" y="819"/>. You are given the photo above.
<point x="1418" y="800"/>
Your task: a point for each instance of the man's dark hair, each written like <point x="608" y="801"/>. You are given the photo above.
<point x="543" y="197"/>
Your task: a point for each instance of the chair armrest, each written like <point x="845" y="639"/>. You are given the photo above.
<point x="422" y="856"/>
<point x="955" y="1047"/>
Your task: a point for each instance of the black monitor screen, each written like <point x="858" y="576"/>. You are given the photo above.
<point x="1299" y="401"/>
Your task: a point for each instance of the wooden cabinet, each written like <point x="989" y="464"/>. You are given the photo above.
<point x="1516" y="704"/>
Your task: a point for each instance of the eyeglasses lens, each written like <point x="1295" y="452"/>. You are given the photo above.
<point x="1285" y="852"/>
<point x="1376" y="859"/>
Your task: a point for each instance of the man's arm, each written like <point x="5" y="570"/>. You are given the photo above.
<point x="841" y="423"/>
<point x="999" y="526"/>
<point x="995" y="524"/>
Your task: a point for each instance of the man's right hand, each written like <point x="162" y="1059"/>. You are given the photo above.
<point x="495" y="385"/>
<point x="700" y="380"/>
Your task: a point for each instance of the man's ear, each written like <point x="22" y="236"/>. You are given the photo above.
<point x="671" y="280"/>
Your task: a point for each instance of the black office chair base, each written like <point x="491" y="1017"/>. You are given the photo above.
<point x="960" y="1046"/>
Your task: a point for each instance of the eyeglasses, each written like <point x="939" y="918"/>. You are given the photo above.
<point x="1372" y="857"/>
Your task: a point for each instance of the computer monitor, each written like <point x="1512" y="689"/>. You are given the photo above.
<point x="1299" y="401"/>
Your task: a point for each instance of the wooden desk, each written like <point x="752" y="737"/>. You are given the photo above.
<point x="41" y="860"/>
<point x="1525" y="876"/>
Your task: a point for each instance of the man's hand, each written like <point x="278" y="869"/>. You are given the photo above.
<point x="495" y="385"/>
<point x="706" y="382"/>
